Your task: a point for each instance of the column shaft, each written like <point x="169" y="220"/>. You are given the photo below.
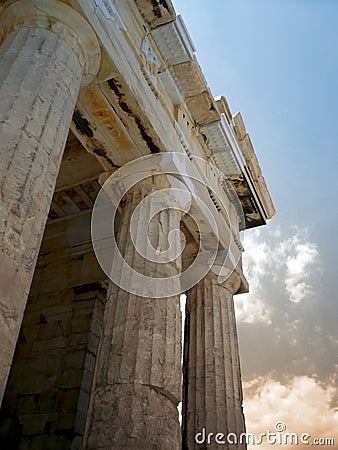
<point x="212" y="398"/>
<point x="139" y="372"/>
<point x="40" y="76"/>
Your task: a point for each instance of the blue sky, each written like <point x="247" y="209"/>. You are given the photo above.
<point x="277" y="62"/>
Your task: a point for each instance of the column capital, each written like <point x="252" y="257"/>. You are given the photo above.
<point x="59" y="18"/>
<point x="233" y="282"/>
<point x="236" y="282"/>
<point x="231" y="277"/>
<point x="120" y="183"/>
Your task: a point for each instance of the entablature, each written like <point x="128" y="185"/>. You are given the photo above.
<point x="149" y="75"/>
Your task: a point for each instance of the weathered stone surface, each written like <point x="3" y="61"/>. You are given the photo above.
<point x="42" y="64"/>
<point x="87" y="166"/>
<point x="156" y="12"/>
<point x="223" y="107"/>
<point x="138" y="381"/>
<point x="144" y="113"/>
<point x="203" y="108"/>
<point x="212" y="396"/>
<point x="48" y="391"/>
<point x="252" y="163"/>
<point x="189" y="78"/>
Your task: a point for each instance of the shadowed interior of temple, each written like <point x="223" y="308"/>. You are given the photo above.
<point x="47" y="396"/>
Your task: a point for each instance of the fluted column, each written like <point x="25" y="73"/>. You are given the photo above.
<point x="47" y="51"/>
<point x="139" y="373"/>
<point x="212" y="399"/>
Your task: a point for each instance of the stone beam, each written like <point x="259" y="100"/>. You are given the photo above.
<point x="104" y="129"/>
<point x="88" y="168"/>
<point x="130" y="88"/>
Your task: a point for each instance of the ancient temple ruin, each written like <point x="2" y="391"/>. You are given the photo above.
<point x="88" y="87"/>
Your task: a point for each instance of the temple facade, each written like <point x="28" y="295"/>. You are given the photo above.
<point x="94" y="93"/>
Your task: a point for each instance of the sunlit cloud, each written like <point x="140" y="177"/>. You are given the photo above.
<point x="303" y="405"/>
<point x="253" y="307"/>
<point x="286" y="263"/>
<point x="300" y="256"/>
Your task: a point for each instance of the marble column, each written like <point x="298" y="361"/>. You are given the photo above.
<point x="47" y="51"/>
<point x="139" y="372"/>
<point x="212" y="398"/>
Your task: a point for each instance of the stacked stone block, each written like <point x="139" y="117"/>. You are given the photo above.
<point x="47" y="397"/>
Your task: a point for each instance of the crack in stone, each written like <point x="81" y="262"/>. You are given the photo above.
<point x="163" y="392"/>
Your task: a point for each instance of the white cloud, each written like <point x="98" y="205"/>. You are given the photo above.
<point x="286" y="262"/>
<point x="300" y="256"/>
<point x="303" y="404"/>
<point x="252" y="307"/>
